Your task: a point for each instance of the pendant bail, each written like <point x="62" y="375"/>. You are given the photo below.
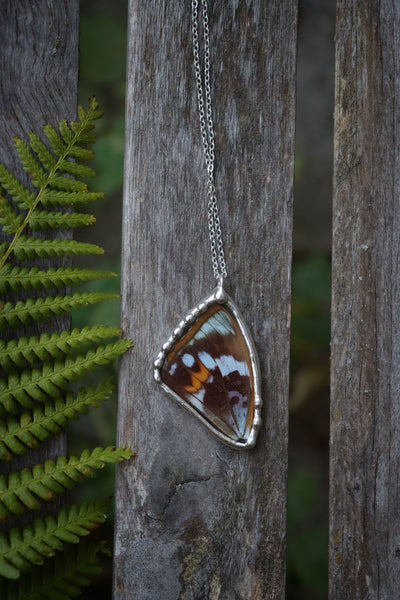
<point x="220" y="294"/>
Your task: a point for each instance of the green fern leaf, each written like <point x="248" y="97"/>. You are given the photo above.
<point x="3" y="248"/>
<point x="19" y="278"/>
<point x="61" y="182"/>
<point x="43" y="220"/>
<point x="7" y="402"/>
<point x="81" y="153"/>
<point x="81" y="114"/>
<point x="38" y="174"/>
<point x="84" y="122"/>
<point x="76" y="169"/>
<point x="82" y="128"/>
<point x="47" y="159"/>
<point x="30" y="350"/>
<point x="65" y="198"/>
<point x="19" y="193"/>
<point x="63" y="577"/>
<point x="14" y="497"/>
<point x="25" y="489"/>
<point x="38" y="384"/>
<point x="7" y="569"/>
<point x="86" y="138"/>
<point x="30" y="247"/>
<point x="10" y="220"/>
<point x="66" y="132"/>
<point x="96" y="114"/>
<point x="93" y="113"/>
<point x="78" y="128"/>
<point x="19" y="434"/>
<point x="57" y="145"/>
<point x="31" y="545"/>
<point x="39" y="309"/>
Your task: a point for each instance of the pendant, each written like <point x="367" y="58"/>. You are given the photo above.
<point x="210" y="366"/>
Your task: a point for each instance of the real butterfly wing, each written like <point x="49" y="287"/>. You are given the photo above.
<point x="210" y="368"/>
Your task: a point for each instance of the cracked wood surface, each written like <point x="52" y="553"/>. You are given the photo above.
<point x="196" y="519"/>
<point x="39" y="44"/>
<point x="365" y="409"/>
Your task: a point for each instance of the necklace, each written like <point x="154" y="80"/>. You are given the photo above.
<point x="209" y="363"/>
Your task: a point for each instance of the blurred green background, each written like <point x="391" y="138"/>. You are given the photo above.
<point x="102" y="72"/>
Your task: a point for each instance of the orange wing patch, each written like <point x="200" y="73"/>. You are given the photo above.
<point x="198" y="379"/>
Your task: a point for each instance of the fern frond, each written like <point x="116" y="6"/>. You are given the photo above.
<point x="30" y="247"/>
<point x="39" y="309"/>
<point x="32" y="544"/>
<point x="24" y="489"/>
<point x="63" y="577"/>
<point x="38" y="384"/>
<point x="19" y="278"/>
<point x="42" y="220"/>
<point x="39" y="370"/>
<point x="48" y="178"/>
<point x="17" y="435"/>
<point x="10" y="220"/>
<point x="19" y="193"/>
<point x="69" y="198"/>
<point x="30" y="350"/>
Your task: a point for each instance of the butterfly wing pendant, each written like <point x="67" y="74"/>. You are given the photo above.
<point x="210" y="366"/>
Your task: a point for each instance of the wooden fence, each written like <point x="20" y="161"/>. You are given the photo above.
<point x="195" y="519"/>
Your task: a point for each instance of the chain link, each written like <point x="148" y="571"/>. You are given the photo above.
<point x="207" y="133"/>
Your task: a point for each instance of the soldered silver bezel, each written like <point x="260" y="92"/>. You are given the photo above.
<point x="218" y="296"/>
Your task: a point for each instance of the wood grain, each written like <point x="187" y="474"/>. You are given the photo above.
<point x="39" y="44"/>
<point x="194" y="518"/>
<point x="365" y="413"/>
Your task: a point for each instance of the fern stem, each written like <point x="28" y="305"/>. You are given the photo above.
<point x="42" y="189"/>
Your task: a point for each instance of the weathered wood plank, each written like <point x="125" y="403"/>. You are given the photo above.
<point x="39" y="43"/>
<point x="39" y="68"/>
<point x="196" y="519"/>
<point x="365" y="423"/>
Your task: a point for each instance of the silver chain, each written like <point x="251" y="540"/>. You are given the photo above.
<point x="207" y="134"/>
